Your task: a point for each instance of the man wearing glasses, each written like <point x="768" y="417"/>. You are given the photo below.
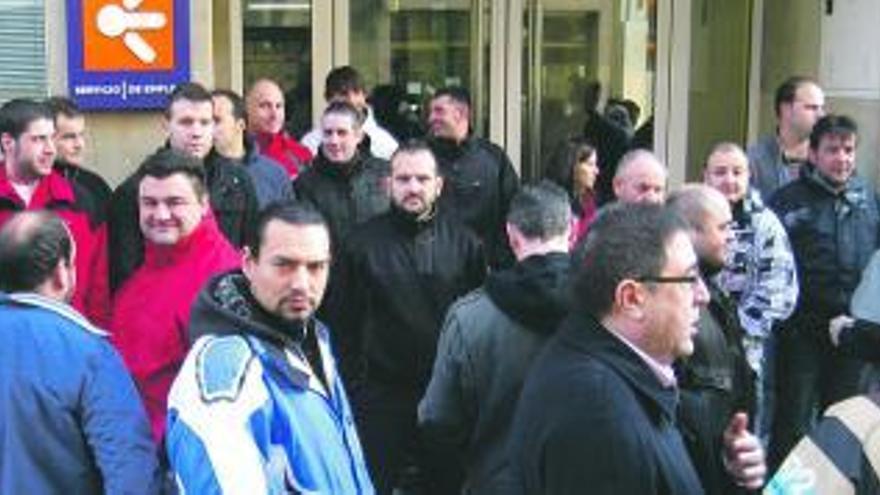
<point x="716" y="381"/>
<point x="599" y="408"/>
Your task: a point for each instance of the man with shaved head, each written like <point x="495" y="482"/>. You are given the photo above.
<point x="71" y="418"/>
<point x="640" y="178"/>
<point x="716" y="382"/>
<point x="265" y="112"/>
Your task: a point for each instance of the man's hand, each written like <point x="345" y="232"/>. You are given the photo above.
<point x="743" y="455"/>
<point x="837" y="325"/>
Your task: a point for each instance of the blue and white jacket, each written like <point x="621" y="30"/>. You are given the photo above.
<point x="247" y="414"/>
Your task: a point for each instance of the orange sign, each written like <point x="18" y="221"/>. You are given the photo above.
<point x="128" y="35"/>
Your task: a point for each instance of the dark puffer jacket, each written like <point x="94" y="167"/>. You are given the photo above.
<point x="488" y="342"/>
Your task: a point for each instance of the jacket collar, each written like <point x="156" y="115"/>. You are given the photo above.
<point x="57" y="307"/>
<point x="584" y="334"/>
<point x="51" y="189"/>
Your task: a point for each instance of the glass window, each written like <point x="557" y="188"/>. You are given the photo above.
<point x="22" y="49"/>
<point x="406" y="49"/>
<point x="570" y="46"/>
<point x="278" y="45"/>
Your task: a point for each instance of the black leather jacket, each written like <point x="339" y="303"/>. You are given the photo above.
<point x="833" y="235"/>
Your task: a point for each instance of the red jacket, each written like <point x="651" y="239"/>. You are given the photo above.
<point x="284" y="149"/>
<point x="151" y="311"/>
<point x="55" y="193"/>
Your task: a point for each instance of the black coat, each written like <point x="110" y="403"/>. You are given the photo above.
<point x="233" y="200"/>
<point x="716" y="382"/>
<point x="399" y="276"/>
<point x="480" y="182"/>
<point x="594" y="418"/>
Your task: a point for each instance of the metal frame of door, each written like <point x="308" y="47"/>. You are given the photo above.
<point x="506" y="68"/>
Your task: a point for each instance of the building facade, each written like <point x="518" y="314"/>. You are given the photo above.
<point x="701" y="70"/>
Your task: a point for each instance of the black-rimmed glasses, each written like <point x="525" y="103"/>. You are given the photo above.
<point x="692" y="280"/>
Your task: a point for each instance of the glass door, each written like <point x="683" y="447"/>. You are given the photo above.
<point x="277" y="44"/>
<point x="406" y="49"/>
<point x="572" y="46"/>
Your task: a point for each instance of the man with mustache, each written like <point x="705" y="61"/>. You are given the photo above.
<point x="399" y="273"/>
<point x="258" y="406"/>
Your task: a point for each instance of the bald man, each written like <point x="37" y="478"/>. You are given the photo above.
<point x="265" y="114"/>
<point x="640" y="178"/>
<point x="717" y="385"/>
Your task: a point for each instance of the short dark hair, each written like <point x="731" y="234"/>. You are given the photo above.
<point x="627" y="241"/>
<point x="346" y="108"/>
<point x="17" y="115"/>
<point x="458" y="94"/>
<point x="342" y="80"/>
<point x="294" y="212"/>
<point x="239" y="112"/>
<point x="32" y="243"/>
<point x="832" y="125"/>
<point x="540" y="211"/>
<point x="167" y="162"/>
<point x="61" y="105"/>
<point x="189" y="91"/>
<point x="411" y="147"/>
<point x="563" y="160"/>
<point x="786" y="91"/>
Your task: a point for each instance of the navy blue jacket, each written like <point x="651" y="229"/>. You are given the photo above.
<point x="593" y="418"/>
<point x="71" y="420"/>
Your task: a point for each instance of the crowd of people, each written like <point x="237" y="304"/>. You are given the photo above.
<point x="252" y="313"/>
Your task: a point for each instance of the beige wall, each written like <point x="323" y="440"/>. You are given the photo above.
<point x="120" y="140"/>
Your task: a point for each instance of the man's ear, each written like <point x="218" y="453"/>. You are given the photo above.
<point x="440" y="183"/>
<point x="629" y="297"/>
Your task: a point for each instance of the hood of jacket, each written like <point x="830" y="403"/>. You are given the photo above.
<point x="534" y="292"/>
<point x="225" y="306"/>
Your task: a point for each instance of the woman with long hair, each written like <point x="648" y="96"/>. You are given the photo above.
<point x="574" y="167"/>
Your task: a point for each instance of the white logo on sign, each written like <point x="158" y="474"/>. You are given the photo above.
<point x="114" y="21"/>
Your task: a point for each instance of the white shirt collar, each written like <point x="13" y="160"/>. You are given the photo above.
<point x="664" y="372"/>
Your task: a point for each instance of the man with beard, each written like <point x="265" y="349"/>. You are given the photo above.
<point x="258" y="406"/>
<point x="400" y="272"/>
<point x="716" y="381"/>
<point x="488" y="341"/>
<point x="28" y="181"/>
<point x="480" y="180"/>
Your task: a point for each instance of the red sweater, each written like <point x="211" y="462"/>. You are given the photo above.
<point x="151" y="311"/>
<point x="284" y="149"/>
<point x="55" y="193"/>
